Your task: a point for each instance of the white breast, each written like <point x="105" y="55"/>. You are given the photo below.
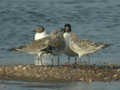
<point x="40" y="35"/>
<point x="67" y="38"/>
<point x="67" y="50"/>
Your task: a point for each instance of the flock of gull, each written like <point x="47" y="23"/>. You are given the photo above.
<point x="59" y="42"/>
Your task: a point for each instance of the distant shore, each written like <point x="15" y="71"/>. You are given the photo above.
<point x="35" y="73"/>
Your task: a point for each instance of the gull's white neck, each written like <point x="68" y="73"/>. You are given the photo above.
<point x="67" y="38"/>
<point x="40" y="35"/>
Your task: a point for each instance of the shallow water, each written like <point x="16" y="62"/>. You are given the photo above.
<point x="61" y="86"/>
<point x="97" y="20"/>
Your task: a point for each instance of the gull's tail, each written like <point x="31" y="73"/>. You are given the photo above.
<point x="107" y="45"/>
<point x="17" y="49"/>
<point x="102" y="45"/>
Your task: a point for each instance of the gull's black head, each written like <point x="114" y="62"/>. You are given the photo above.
<point x="67" y="28"/>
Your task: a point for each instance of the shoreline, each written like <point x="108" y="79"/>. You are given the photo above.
<point x="87" y="73"/>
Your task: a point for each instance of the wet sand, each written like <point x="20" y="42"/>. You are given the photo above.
<point x="88" y="73"/>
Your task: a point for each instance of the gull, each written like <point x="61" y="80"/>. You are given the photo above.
<point x="84" y="47"/>
<point x="68" y="51"/>
<point x="67" y="35"/>
<point x="59" y="42"/>
<point x="53" y="44"/>
<point x="40" y="33"/>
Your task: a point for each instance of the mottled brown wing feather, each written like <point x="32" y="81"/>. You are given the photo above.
<point x="39" y="44"/>
<point x="84" y="43"/>
<point x="58" y="42"/>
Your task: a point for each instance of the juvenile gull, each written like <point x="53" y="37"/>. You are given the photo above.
<point x="59" y="42"/>
<point x="53" y="44"/>
<point x="84" y="47"/>
<point x="40" y="33"/>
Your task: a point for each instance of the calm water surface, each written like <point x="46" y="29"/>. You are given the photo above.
<point x="97" y="20"/>
<point x="13" y="85"/>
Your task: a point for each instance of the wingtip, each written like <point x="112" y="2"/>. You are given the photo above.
<point x="12" y="49"/>
<point x="16" y="49"/>
<point x="107" y="45"/>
